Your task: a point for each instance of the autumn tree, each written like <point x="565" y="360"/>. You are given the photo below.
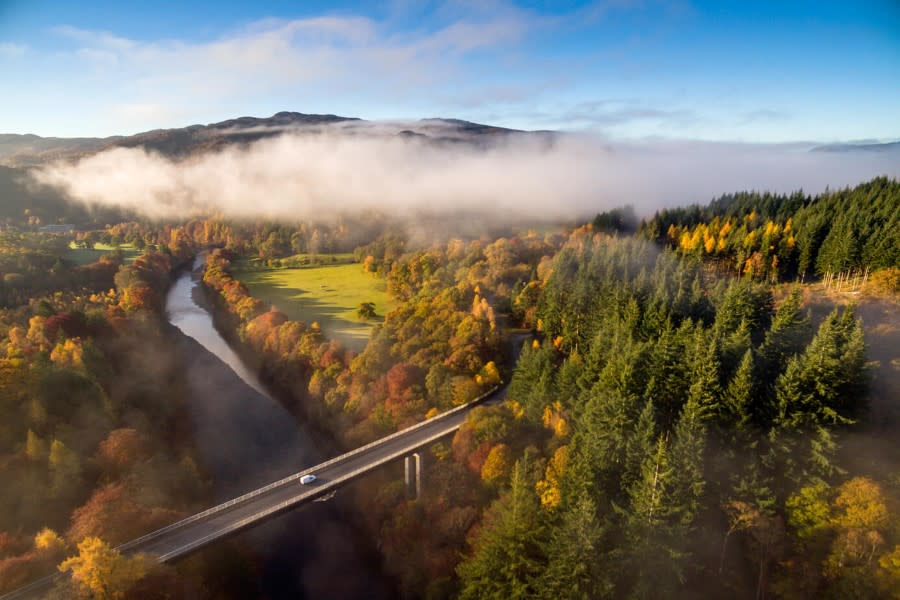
<point x="99" y="571"/>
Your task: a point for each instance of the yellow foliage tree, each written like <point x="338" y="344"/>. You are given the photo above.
<point x="859" y="512"/>
<point x="890" y="572"/>
<point x="554" y="418"/>
<point x="489" y="374"/>
<point x="36" y="335"/>
<point x="548" y="487"/>
<point x="69" y="353"/>
<point x="101" y="571"/>
<point x="48" y="540"/>
<point x="497" y="465"/>
<point x="860" y="503"/>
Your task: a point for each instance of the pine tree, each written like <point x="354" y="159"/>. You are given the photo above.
<point x="705" y="390"/>
<point x="824" y="384"/>
<point x="576" y="563"/>
<point x="687" y="460"/>
<point x="839" y="251"/>
<point x="566" y="382"/>
<point x="738" y="410"/>
<point x="532" y="381"/>
<point x="639" y="445"/>
<point x="601" y="437"/>
<point x="508" y="554"/>
<point x="654" y="561"/>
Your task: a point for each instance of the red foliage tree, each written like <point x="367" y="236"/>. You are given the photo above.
<point x="122" y="449"/>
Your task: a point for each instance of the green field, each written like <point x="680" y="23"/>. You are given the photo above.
<point x="83" y="256"/>
<point x="297" y="261"/>
<point x="328" y="295"/>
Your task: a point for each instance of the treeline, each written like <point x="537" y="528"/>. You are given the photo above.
<point x="785" y="237"/>
<point x="262" y="239"/>
<point x="688" y="448"/>
<point x="34" y="265"/>
<point x="95" y="447"/>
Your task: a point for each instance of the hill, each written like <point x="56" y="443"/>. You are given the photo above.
<point x="32" y="150"/>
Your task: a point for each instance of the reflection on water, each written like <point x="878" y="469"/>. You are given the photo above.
<point x="195" y="322"/>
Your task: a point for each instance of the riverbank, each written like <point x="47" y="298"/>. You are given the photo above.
<point x="226" y="325"/>
<point x="247" y="439"/>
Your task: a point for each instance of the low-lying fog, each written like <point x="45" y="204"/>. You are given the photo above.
<point x="354" y="168"/>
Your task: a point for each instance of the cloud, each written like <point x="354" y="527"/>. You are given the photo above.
<point x="321" y="55"/>
<point x="12" y="50"/>
<point x="607" y="114"/>
<point x="340" y="171"/>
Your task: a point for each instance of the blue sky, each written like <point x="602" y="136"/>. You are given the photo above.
<point x="627" y="69"/>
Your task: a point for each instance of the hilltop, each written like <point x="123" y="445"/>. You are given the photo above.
<point x="31" y="150"/>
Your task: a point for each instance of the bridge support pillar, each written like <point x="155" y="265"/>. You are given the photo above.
<point x="413" y="475"/>
<point x="419" y="460"/>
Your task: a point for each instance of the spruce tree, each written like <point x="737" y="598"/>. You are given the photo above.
<point x="577" y="568"/>
<point x="654" y="560"/>
<point x="508" y="555"/>
<point x="738" y="410"/>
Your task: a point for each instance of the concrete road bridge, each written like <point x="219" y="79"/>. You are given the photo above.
<point x="192" y="533"/>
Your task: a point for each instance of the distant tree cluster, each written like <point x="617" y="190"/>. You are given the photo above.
<point x="775" y="237"/>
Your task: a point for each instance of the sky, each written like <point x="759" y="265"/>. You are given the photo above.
<point x="726" y="71"/>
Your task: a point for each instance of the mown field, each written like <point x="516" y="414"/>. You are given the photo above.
<point x="328" y="294"/>
<point x="84" y="256"/>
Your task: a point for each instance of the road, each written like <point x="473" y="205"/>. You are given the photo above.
<point x="194" y="532"/>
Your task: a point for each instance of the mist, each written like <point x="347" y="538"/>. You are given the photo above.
<point x="346" y="170"/>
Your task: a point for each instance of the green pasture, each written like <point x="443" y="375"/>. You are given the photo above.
<point x="327" y="294"/>
<point x="83" y="256"/>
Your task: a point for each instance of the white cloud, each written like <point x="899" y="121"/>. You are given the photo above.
<point x="326" y="174"/>
<point x="270" y="59"/>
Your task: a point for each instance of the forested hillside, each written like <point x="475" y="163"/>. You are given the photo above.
<point x="692" y="428"/>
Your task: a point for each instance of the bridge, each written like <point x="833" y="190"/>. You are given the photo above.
<point x="192" y="533"/>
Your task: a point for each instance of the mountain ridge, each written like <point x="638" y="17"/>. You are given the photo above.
<point x="28" y="150"/>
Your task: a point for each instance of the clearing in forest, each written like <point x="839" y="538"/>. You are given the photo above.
<point x="85" y="256"/>
<point x="328" y="294"/>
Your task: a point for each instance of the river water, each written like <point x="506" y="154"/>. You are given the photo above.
<point x="246" y="439"/>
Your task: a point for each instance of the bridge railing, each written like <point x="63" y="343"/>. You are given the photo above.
<point x="291" y="478"/>
<point x="286" y="504"/>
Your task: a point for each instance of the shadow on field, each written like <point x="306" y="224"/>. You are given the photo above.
<point x="306" y="304"/>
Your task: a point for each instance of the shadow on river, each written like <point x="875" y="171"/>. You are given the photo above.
<point x="247" y="439"/>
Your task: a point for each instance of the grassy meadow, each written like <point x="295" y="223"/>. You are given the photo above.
<point x="328" y="294"/>
<point x="83" y="256"/>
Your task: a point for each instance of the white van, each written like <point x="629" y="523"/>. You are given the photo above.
<point x="307" y="479"/>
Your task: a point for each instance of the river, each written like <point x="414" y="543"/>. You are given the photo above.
<point x="245" y="439"/>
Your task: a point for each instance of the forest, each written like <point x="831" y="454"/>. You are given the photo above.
<point x="675" y="421"/>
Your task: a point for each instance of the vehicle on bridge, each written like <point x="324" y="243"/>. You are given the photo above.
<point x="307" y="479"/>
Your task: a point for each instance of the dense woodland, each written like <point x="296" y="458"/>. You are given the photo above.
<point x="786" y="237"/>
<point x="672" y="425"/>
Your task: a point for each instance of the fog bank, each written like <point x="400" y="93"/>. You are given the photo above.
<point x="317" y="176"/>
